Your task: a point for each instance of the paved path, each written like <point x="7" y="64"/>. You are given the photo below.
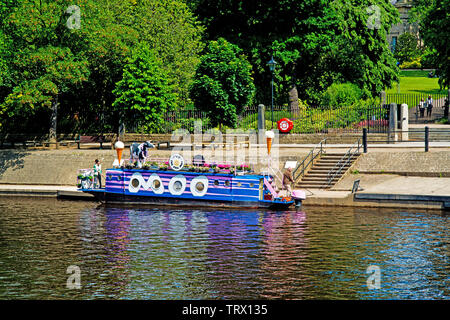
<point x="395" y="184"/>
<point x="37" y="187"/>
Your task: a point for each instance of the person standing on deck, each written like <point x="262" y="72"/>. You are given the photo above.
<point x="287" y="180"/>
<point x="98" y="173"/>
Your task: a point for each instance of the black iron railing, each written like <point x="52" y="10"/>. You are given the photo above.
<point x="343" y="162"/>
<point x="299" y="171"/>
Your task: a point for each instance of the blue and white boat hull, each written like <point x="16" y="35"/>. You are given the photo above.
<point x="185" y="188"/>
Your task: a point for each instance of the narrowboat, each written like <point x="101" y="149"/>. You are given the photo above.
<point x="204" y="186"/>
<point x="176" y="183"/>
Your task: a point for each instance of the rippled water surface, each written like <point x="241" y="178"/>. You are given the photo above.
<point x="145" y="253"/>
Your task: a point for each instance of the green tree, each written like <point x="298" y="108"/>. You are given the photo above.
<point x="435" y="30"/>
<point x="144" y="93"/>
<point x="223" y="83"/>
<point x="109" y="31"/>
<point x="407" y="47"/>
<point x="316" y="42"/>
<point x="43" y="66"/>
<point x="173" y="32"/>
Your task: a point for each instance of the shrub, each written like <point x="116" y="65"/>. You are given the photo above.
<point x="414" y="64"/>
<point x="341" y="94"/>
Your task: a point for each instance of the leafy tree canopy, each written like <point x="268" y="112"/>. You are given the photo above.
<point x="316" y="42"/>
<point x="223" y="83"/>
<point x="435" y="30"/>
<point x="90" y="56"/>
<point x="144" y="94"/>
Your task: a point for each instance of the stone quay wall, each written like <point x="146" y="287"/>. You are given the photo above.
<point x="59" y="167"/>
<point x="409" y="163"/>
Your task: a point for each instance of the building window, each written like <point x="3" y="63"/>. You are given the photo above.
<point x="393" y="43"/>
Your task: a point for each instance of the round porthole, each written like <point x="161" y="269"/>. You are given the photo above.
<point x="252" y="185"/>
<point x="156" y="184"/>
<point x="199" y="186"/>
<point x="135" y="183"/>
<point x="177" y="185"/>
<point x="216" y="182"/>
<point x="239" y="184"/>
<point x="227" y="183"/>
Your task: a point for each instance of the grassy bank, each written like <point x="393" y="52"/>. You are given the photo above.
<point x="416" y="81"/>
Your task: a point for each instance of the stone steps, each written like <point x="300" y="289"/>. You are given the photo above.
<point x="317" y="176"/>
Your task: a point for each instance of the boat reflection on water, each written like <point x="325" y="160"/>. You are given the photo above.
<point x="136" y="253"/>
<point x="196" y="253"/>
<point x="145" y="253"/>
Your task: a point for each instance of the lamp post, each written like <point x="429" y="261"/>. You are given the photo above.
<point x="271" y="65"/>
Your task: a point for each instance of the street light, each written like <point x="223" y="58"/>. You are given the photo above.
<point x="272" y="63"/>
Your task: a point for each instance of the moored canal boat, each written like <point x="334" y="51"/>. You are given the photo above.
<point x="174" y="183"/>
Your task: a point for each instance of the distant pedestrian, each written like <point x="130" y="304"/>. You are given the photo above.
<point x="422" y="108"/>
<point x="446" y="105"/>
<point x="429" y="106"/>
<point x="287" y="180"/>
<point x="98" y="173"/>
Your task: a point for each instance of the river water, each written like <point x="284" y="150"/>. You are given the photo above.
<point x="148" y="253"/>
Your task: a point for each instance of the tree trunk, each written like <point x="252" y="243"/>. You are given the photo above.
<point x="53" y="121"/>
<point x="293" y="93"/>
<point x="293" y="98"/>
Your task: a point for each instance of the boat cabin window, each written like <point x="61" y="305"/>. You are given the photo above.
<point x="135" y="183"/>
<point x="199" y="186"/>
<point x="216" y="182"/>
<point x="227" y="183"/>
<point x="177" y="185"/>
<point x="239" y="184"/>
<point x="252" y="184"/>
<point x="156" y="184"/>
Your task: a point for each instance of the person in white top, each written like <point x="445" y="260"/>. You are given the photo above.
<point x="98" y="173"/>
<point x="422" y="107"/>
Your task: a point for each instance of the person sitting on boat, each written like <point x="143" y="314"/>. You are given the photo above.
<point x="98" y="173"/>
<point x="287" y="180"/>
<point x="139" y="152"/>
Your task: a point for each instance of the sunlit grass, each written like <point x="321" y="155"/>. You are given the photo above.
<point x="416" y="81"/>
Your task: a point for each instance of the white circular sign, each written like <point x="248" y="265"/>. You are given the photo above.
<point x="284" y="125"/>
<point x="176" y="162"/>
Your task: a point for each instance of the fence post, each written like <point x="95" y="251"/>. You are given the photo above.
<point x="393" y="120"/>
<point x="365" y="139"/>
<point x="427" y="134"/>
<point x="383" y="97"/>
<point x="261" y="123"/>
<point x="404" y="123"/>
<point x="261" y="117"/>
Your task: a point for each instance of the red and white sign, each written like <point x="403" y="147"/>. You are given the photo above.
<point x="285" y="125"/>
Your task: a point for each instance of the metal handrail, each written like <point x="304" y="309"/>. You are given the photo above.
<point x="341" y="164"/>
<point x="310" y="154"/>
